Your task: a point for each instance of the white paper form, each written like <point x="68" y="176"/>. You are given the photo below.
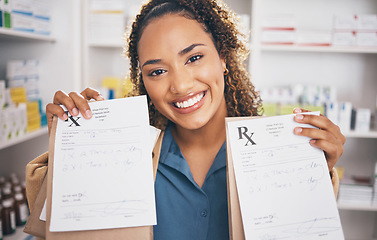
<point x="103" y="173"/>
<point x="283" y="183"/>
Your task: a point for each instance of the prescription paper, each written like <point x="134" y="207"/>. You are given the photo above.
<point x="283" y="183"/>
<point x="102" y="173"/>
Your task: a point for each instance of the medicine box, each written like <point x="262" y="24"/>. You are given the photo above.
<point x="16" y="69"/>
<point x="344" y="38"/>
<point x="363" y="116"/>
<point x="366" y="39"/>
<point x="367" y="22"/>
<point x="18" y="94"/>
<point x="22" y="22"/>
<point x="7" y="13"/>
<point x="345" y="22"/>
<point x="345" y="115"/>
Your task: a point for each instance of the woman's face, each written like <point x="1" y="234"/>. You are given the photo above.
<point x="182" y="71"/>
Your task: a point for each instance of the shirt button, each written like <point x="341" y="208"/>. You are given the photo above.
<point x="204" y="213"/>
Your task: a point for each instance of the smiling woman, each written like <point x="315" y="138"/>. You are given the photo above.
<point x="211" y="20"/>
<point x="187" y="58"/>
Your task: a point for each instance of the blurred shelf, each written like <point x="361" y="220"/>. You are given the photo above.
<point x="357" y="207"/>
<point x="325" y="49"/>
<point x="12" y="34"/>
<point x="353" y="134"/>
<point x="24" y="138"/>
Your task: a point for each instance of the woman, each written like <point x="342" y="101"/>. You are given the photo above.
<point x="187" y="58"/>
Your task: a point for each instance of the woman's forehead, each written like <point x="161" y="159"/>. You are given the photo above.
<point x="172" y="32"/>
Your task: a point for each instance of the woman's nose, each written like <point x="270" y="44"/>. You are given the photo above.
<point x="181" y="82"/>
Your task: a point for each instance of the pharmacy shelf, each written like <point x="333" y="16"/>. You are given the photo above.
<point x="354" y="134"/>
<point x="325" y="49"/>
<point x="24" y="138"/>
<point x="11" y="34"/>
<point x="357" y="207"/>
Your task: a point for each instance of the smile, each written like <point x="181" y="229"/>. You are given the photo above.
<point x="190" y="102"/>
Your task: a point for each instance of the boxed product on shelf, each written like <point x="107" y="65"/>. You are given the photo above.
<point x="22" y="22"/>
<point x="7" y="124"/>
<point x="42" y="26"/>
<point x="345" y="22"/>
<point x="106" y="22"/>
<point x="279" y="29"/>
<point x="355" y="30"/>
<point x="16" y="69"/>
<point x="4" y="129"/>
<point x="21" y="121"/>
<point x="355" y="190"/>
<point x="362" y="121"/>
<point x="314" y="38"/>
<point x="279" y="37"/>
<point x="366" y="30"/>
<point x="13" y="121"/>
<point x="106" y="28"/>
<point x="344" y="38"/>
<point x="22" y="15"/>
<point x="24" y="73"/>
<point x="7" y="12"/>
<point x="367" y="22"/>
<point x="42" y="17"/>
<point x="332" y="111"/>
<point x="345" y="116"/>
<point x="22" y="6"/>
<point x="344" y="30"/>
<point x="18" y="94"/>
<point x="32" y="68"/>
<point x="366" y="39"/>
<point x="33" y="116"/>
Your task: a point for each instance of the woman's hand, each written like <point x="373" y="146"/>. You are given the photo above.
<point x="74" y="102"/>
<point x="327" y="137"/>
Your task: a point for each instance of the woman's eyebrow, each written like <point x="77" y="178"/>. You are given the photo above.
<point x="153" y="61"/>
<point x="182" y="52"/>
<point x="189" y="48"/>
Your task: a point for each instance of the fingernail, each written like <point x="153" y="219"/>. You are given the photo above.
<point x="100" y="97"/>
<point x="297" y="110"/>
<point x="88" y="113"/>
<point x="75" y="111"/>
<point x="299" y="116"/>
<point x="312" y="141"/>
<point x="298" y="130"/>
<point x="65" y="116"/>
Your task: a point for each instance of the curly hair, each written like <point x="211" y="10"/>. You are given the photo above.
<point x="216" y="19"/>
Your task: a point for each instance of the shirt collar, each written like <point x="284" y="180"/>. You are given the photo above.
<point x="172" y="156"/>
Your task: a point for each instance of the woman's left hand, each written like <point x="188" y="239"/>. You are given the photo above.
<point x="326" y="136"/>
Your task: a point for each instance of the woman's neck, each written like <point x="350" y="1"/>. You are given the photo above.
<point x="210" y="135"/>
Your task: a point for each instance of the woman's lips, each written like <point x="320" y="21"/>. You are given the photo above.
<point x="189" y="104"/>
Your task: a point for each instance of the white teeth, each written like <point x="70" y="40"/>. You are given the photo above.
<point x="190" y="102"/>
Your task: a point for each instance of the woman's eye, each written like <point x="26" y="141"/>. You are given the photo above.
<point x="157" y="72"/>
<point x="194" y="58"/>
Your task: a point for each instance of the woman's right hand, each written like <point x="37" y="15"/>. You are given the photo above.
<point x="74" y="102"/>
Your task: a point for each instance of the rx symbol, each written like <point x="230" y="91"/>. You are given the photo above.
<point x="242" y="132"/>
<point x="74" y="121"/>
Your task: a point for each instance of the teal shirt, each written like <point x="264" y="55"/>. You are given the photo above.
<point x="184" y="210"/>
